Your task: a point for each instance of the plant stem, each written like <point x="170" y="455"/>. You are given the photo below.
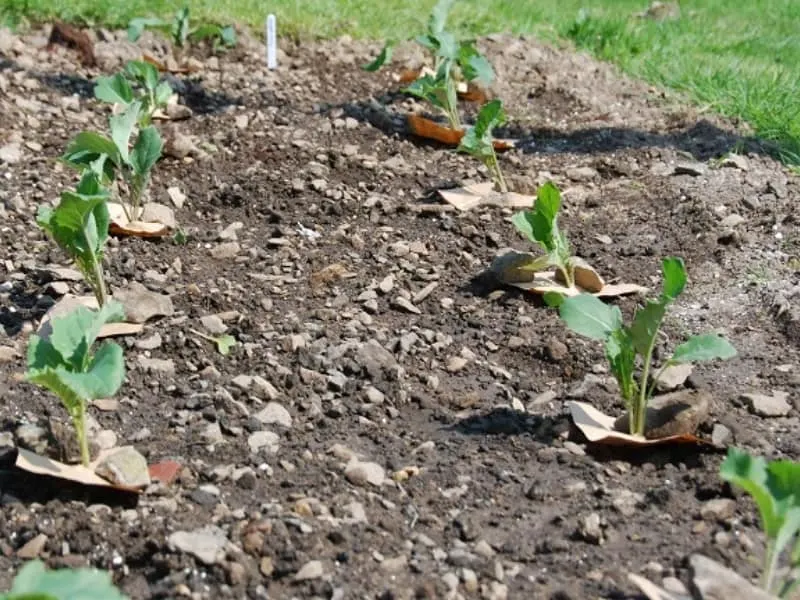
<point x="96" y="276"/>
<point x="640" y="407"/>
<point x="494" y="168"/>
<point x="79" y="423"/>
<point x="771" y="561"/>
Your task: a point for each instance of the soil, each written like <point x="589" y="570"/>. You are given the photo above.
<point x="480" y="485"/>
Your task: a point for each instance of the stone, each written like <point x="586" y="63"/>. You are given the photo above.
<point x="141" y="304"/>
<point x="405" y="304"/>
<point x="776" y="405"/>
<point x="695" y="169"/>
<point x="32" y="437"/>
<point x="11" y="154"/>
<point x="207" y="544"/>
<point x="677" y="413"/>
<point x="157" y="365"/>
<point x="274" y="413"/>
<point x="673" y="377"/>
<point x="456" y="364"/>
<point x="33" y="547"/>
<point x="721" y="435"/>
<point x="213" y="324"/>
<point x="720" y="509"/>
<point x="153" y="212"/>
<point x="177" y="196"/>
<point x="311" y="570"/>
<point x="712" y="581"/>
<point x="268" y="440"/>
<point x="590" y="529"/>
<point x="364" y="473"/>
<point x="212" y="434"/>
<point x="125" y="467"/>
<point x="225" y="251"/>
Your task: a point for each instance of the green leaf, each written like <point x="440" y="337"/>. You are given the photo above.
<point x="204" y="32"/>
<point x="429" y="89"/>
<point x="163" y="93"/>
<point x="621" y="356"/>
<point x="122" y="127"/>
<point x="87" y="150"/>
<point x="553" y="299"/>
<point x="228" y="36"/>
<point x="540" y="224"/>
<point x="446" y="45"/>
<point x="384" y="57"/>
<point x="438" y="18"/>
<point x="589" y="316"/>
<point x="674" y="276"/>
<point x="79" y="224"/>
<point x="180" y="27"/>
<point x="477" y="140"/>
<point x="474" y="65"/>
<point x="646" y="323"/>
<point x="114" y="89"/>
<point x="699" y="348"/>
<point x="34" y="582"/>
<point x="104" y="376"/>
<point x="137" y="26"/>
<point x="224" y="344"/>
<point x="143" y="73"/>
<point x="750" y="473"/>
<point x="146" y="151"/>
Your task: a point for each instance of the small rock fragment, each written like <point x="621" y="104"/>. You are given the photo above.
<point x="125" y="467"/>
<point x="763" y="405"/>
<point x="207" y="544"/>
<point x="311" y="570"/>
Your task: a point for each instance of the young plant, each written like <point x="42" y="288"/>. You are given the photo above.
<point x="440" y="91"/>
<point x="109" y="157"/>
<point x="180" y="32"/>
<point x="588" y="316"/>
<point x="453" y="61"/>
<point x="138" y="82"/>
<point x="63" y="363"/>
<point x="540" y="226"/>
<point x="479" y="142"/>
<point x="224" y="343"/>
<point x="34" y="582"/>
<point x="775" y="488"/>
<point x="79" y="225"/>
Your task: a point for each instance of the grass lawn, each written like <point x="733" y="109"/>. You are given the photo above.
<point x="740" y="58"/>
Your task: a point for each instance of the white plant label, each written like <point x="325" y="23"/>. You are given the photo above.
<point x="272" y="43"/>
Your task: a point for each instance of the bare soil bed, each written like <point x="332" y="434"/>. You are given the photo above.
<point x="480" y="487"/>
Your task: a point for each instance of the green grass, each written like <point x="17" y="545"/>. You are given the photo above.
<point x="740" y="58"/>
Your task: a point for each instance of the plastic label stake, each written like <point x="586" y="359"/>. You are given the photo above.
<point x="272" y="43"/>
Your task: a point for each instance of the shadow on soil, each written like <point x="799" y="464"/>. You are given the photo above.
<point x="703" y="140"/>
<point x="191" y="91"/>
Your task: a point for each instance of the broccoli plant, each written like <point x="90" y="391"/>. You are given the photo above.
<point x="79" y="225"/>
<point x="540" y="226"/>
<point x="110" y="157"/>
<point x="34" y="582"/>
<point x="453" y="61"/>
<point x="138" y="82"/>
<point x="180" y="32"/>
<point x="775" y="488"/>
<point x="589" y="316"/>
<point x="63" y="363"/>
<point x="479" y="142"/>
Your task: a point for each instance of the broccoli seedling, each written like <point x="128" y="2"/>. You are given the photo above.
<point x="479" y="142"/>
<point x="775" y="488"/>
<point x="180" y="32"/>
<point x="34" y="582"/>
<point x="138" y="82"/>
<point x="64" y="364"/>
<point x="108" y="157"/>
<point x="453" y="60"/>
<point x="540" y="226"/>
<point x="79" y="225"/>
<point x="589" y="316"/>
<point x="224" y="343"/>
